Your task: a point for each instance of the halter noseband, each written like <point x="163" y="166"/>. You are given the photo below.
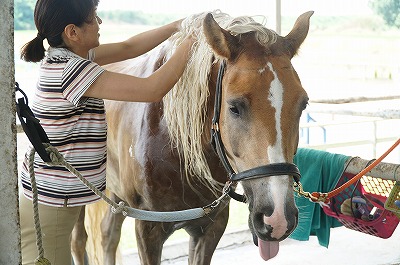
<point x="274" y="169"/>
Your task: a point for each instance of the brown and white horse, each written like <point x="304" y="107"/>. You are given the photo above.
<point x="159" y="154"/>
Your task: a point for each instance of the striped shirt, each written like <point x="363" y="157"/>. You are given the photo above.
<point x="75" y="125"/>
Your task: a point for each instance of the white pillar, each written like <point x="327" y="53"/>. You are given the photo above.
<point x="278" y="17"/>
<point x="10" y="250"/>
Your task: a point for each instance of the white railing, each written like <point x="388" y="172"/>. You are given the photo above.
<point x="350" y="135"/>
<point x="318" y="134"/>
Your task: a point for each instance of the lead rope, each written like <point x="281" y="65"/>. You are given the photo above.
<point x="57" y="159"/>
<point x="321" y="197"/>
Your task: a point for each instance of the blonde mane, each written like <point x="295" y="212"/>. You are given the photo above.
<point x="185" y="105"/>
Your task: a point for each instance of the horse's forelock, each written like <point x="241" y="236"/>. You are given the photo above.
<point x="185" y="105"/>
<point x="243" y="24"/>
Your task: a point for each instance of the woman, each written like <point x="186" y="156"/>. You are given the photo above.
<point x="69" y="103"/>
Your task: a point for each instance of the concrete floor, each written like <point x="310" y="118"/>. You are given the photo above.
<point x="346" y="247"/>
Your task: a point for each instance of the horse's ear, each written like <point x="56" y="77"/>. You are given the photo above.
<point x="298" y="34"/>
<point x="221" y="41"/>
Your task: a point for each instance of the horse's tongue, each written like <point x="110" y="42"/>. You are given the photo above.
<point x="268" y="249"/>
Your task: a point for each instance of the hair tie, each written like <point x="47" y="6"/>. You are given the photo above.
<point x="40" y="36"/>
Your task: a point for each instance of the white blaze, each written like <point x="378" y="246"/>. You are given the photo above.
<point x="275" y="155"/>
<point x="275" y="152"/>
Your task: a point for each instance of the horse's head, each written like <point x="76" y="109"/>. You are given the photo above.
<point x="262" y="101"/>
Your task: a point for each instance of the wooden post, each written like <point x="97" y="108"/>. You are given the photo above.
<point x="10" y="249"/>
<point x="382" y="170"/>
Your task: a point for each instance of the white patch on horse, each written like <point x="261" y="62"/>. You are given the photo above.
<point x="131" y="150"/>
<point x="275" y="152"/>
<point x="275" y="155"/>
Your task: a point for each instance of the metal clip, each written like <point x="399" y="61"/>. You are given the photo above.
<point x="297" y="187"/>
<point x="209" y="208"/>
<point x="215" y="127"/>
<point x="227" y="187"/>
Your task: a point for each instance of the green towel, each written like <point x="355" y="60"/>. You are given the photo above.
<point x="320" y="171"/>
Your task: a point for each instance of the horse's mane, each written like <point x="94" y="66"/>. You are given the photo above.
<point x="185" y="105"/>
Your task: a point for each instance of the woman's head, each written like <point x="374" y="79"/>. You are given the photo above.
<point x="51" y="18"/>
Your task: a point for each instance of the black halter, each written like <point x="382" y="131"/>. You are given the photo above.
<point x="275" y="169"/>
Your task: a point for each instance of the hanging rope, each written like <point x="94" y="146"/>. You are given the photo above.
<point x="40" y="260"/>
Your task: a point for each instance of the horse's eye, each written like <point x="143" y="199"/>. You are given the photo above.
<point x="238" y="107"/>
<point x="234" y="110"/>
<point x="305" y="104"/>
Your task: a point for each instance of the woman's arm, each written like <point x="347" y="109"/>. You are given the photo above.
<point x="136" y="45"/>
<point x="116" y="86"/>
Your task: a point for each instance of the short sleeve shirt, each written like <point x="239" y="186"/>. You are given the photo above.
<point x="74" y="124"/>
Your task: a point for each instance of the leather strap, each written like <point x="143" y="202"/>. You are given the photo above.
<point x="276" y="169"/>
<point x="31" y="125"/>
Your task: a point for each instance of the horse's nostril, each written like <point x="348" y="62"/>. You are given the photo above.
<point x="278" y="223"/>
<point x="274" y="224"/>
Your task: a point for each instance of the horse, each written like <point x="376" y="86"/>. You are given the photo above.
<point x="159" y="154"/>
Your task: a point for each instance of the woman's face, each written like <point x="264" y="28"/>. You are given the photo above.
<point x="91" y="33"/>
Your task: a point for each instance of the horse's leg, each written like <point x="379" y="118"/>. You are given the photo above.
<point x="78" y="240"/>
<point x="204" y="239"/>
<point x="111" y="233"/>
<point x="150" y="237"/>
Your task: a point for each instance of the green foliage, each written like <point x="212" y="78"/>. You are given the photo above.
<point x="130" y="17"/>
<point x="23" y="14"/>
<point x="389" y="10"/>
<point x="136" y="17"/>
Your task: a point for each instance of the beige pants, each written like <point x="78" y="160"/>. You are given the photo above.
<point x="56" y="223"/>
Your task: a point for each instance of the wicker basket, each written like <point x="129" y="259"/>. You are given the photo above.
<point x="393" y="201"/>
<point x="375" y="192"/>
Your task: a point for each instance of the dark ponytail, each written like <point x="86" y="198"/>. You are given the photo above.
<point x="51" y="18"/>
<point x="33" y="51"/>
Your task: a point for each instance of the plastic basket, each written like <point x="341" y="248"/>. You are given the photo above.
<point x="375" y="192"/>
